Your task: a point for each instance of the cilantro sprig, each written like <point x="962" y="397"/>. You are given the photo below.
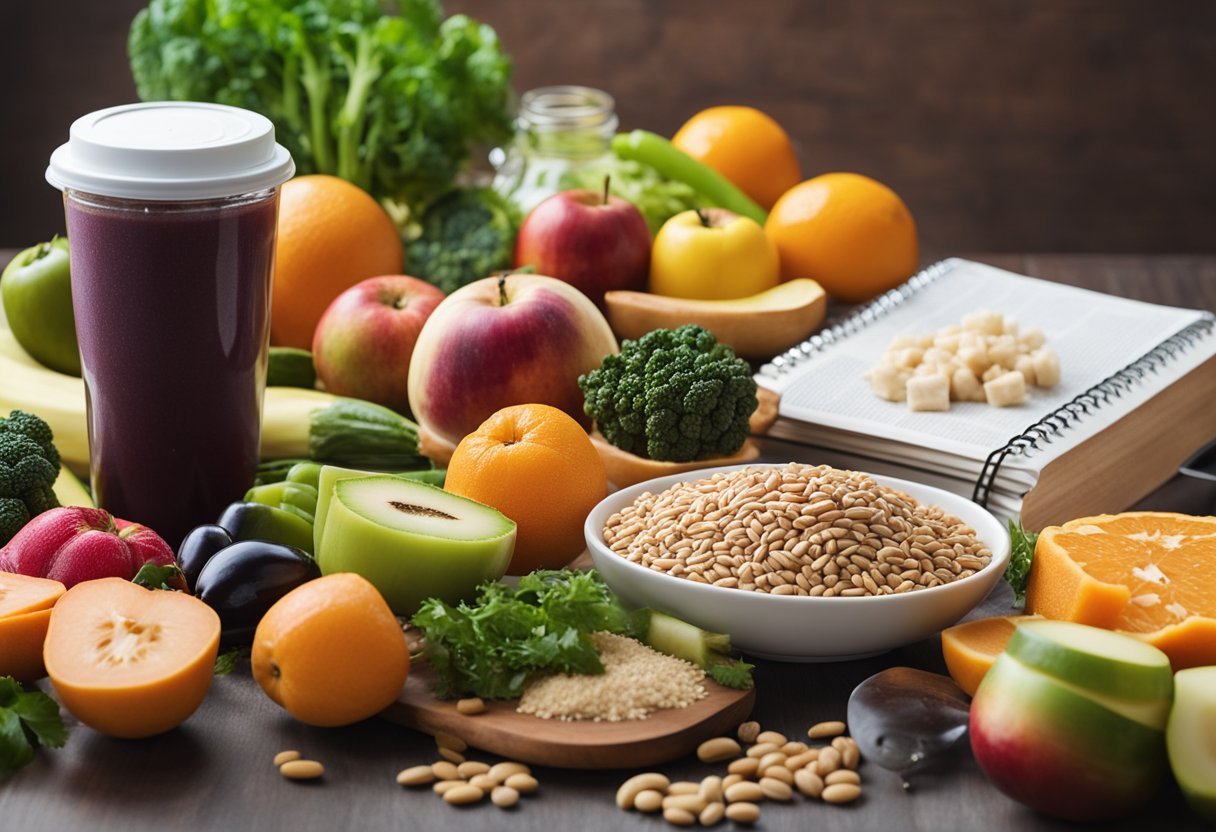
<point x="28" y="720"/>
<point x="1021" y="554"/>
<point x="494" y="645"/>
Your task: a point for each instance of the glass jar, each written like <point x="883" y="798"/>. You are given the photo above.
<point x="558" y="130"/>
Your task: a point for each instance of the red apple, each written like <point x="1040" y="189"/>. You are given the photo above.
<point x="366" y="337"/>
<point x="501" y="341"/>
<point x="72" y="544"/>
<point x="593" y="242"/>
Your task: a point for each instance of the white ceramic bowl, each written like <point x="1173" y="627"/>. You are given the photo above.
<point x="800" y="628"/>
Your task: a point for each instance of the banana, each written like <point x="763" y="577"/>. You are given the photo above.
<point x="60" y="400"/>
<point x="757" y="326"/>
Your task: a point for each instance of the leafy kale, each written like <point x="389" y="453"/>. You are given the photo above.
<point x="28" y="720"/>
<point x="492" y="647"/>
<point x="674" y="395"/>
<point x="392" y="102"/>
<point x="1017" y="574"/>
<point x="467" y="235"/>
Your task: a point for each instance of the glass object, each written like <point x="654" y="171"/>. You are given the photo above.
<point x="559" y="129"/>
<point x="171" y="212"/>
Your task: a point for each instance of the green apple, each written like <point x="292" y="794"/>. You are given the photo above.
<point x="1191" y="737"/>
<point x="1071" y="720"/>
<point x="413" y="541"/>
<point x="36" y="290"/>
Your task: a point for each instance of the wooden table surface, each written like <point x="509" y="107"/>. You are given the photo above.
<point x="215" y="772"/>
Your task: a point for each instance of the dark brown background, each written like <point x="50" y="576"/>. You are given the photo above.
<point x="1073" y="125"/>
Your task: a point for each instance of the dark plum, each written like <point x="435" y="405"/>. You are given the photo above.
<point x="198" y="547"/>
<point x="242" y="581"/>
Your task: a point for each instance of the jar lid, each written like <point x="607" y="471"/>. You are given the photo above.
<point x="170" y="150"/>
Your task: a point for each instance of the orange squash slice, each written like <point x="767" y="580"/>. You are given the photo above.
<point x="970" y="648"/>
<point x="128" y="661"/>
<point x="25" y="612"/>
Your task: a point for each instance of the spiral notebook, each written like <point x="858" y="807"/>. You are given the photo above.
<point x="1137" y="396"/>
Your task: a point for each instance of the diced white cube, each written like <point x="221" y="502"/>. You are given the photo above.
<point x="900" y="342"/>
<point x="994" y="372"/>
<point x="1011" y="327"/>
<point x="933" y="355"/>
<point x="887" y="381"/>
<point x="965" y="386"/>
<point x="929" y="393"/>
<point x="925" y="341"/>
<point x="910" y="357"/>
<point x="985" y="321"/>
<point x="1025" y="366"/>
<point x="1006" y="391"/>
<point x="975" y="359"/>
<point x="947" y="342"/>
<point x="1046" y="367"/>
<point x="1003" y="350"/>
<point x="1033" y="338"/>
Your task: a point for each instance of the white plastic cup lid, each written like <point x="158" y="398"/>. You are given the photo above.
<point x="170" y="150"/>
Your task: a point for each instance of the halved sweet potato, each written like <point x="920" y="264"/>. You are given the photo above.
<point x="128" y="661"/>
<point x="25" y="611"/>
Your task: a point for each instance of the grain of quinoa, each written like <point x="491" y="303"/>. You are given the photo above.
<point x="636" y="680"/>
<point x="796" y="530"/>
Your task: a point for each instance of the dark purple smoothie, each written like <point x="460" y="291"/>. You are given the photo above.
<point x="172" y="315"/>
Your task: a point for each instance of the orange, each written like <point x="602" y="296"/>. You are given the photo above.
<point x="537" y="466"/>
<point x="331" y="235"/>
<point x="852" y="234"/>
<point x="744" y="145"/>
<point x="1146" y="573"/>
<point x="970" y="648"/>
<point x="331" y="651"/>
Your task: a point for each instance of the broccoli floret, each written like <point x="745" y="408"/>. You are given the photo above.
<point x="466" y="235"/>
<point x="674" y="395"/>
<point x="29" y="465"/>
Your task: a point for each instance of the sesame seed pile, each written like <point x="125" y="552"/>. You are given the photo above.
<point x="636" y="681"/>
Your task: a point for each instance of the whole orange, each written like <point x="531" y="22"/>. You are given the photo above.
<point x="852" y="234"/>
<point x="536" y="465"/>
<point x="332" y="234"/>
<point x="331" y="651"/>
<point x="746" y="146"/>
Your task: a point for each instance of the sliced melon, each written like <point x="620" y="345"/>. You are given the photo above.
<point x="413" y="541"/>
<point x="1191" y="737"/>
<point x="1106" y="663"/>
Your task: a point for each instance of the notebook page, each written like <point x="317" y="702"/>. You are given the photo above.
<point x="1094" y="334"/>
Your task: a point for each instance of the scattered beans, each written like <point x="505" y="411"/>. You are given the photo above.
<point x="744" y="766"/>
<point x="802" y="760"/>
<point x="841" y="793"/>
<point x="712" y="814"/>
<point x="501" y="771"/>
<point x="484" y="782"/>
<point x="748" y="731"/>
<point x="711" y="790"/>
<point x="791" y="749"/>
<point x="761" y="748"/>
<point x="522" y="783"/>
<point x="504" y="797"/>
<point x="463" y="795"/>
<point x="415" y="776"/>
<point x="635" y="785"/>
<point x="823" y="730"/>
<point x="444" y="786"/>
<point x="743" y="812"/>
<point x="842" y="775"/>
<point x="779" y="773"/>
<point x="773" y="758"/>
<point x="775" y="789"/>
<point x="730" y="780"/>
<point x="829" y="760"/>
<point x="471" y="706"/>
<point x="301" y="769"/>
<point x="470" y="768"/>
<point x="775" y="737"/>
<point x="808" y="782"/>
<point x="285" y="757"/>
<point x="684" y="787"/>
<point x="692" y="803"/>
<point x="745" y="791"/>
<point x="445" y="770"/>
<point x="454" y="757"/>
<point x="717" y="750"/>
<point x="648" y="800"/>
<point x="679" y="817"/>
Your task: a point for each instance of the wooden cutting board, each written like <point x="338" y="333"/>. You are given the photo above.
<point x="661" y="737"/>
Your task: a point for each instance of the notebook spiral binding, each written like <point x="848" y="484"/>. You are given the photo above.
<point x="1068" y="414"/>
<point x="860" y="319"/>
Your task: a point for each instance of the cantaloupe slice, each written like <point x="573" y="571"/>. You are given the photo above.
<point x="970" y="648"/>
<point x="25" y="612"/>
<point x="128" y="661"/>
<point x="1150" y="574"/>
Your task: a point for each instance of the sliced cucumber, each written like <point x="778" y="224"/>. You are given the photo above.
<point x="290" y="367"/>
